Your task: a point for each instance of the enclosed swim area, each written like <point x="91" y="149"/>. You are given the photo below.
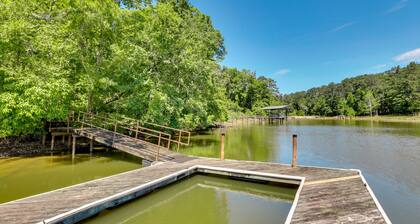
<point x="208" y="197"/>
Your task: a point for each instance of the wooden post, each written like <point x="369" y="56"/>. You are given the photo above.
<point x="179" y="140"/>
<point x="64" y="138"/>
<point x="83" y="120"/>
<point x="115" y="131"/>
<point x="91" y="144"/>
<point x="137" y="129"/>
<point x="169" y="141"/>
<point x="157" y="153"/>
<point x="52" y="142"/>
<point x="294" y="158"/>
<point x="160" y="135"/>
<point x="73" y="149"/>
<point x="222" y="144"/>
<point x="69" y="141"/>
<point x="68" y="123"/>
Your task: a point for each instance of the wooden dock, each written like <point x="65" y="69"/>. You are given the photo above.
<point x="326" y="196"/>
<point x="136" y="147"/>
<point x="150" y="143"/>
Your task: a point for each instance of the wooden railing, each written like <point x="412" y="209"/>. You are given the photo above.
<point x="180" y="137"/>
<point x="132" y="128"/>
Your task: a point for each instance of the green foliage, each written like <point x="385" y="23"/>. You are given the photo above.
<point x="249" y="92"/>
<point x="393" y="92"/>
<point x="152" y="60"/>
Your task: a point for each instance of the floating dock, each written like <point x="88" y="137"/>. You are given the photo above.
<point x="325" y="195"/>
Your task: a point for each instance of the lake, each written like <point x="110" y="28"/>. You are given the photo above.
<point x="25" y="176"/>
<point x="387" y="153"/>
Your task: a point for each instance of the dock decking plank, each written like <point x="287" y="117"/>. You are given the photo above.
<point x="346" y="201"/>
<point x="136" y="147"/>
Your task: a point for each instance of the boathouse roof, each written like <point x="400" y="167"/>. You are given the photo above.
<point x="282" y="107"/>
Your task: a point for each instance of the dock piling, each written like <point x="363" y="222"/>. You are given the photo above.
<point x="294" y="158"/>
<point x="222" y="143"/>
<point x="73" y="149"/>
<point x="52" y="142"/>
<point x="91" y="144"/>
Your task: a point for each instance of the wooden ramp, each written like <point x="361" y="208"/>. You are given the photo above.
<point x="133" y="146"/>
<point x="325" y="195"/>
<point x="148" y="141"/>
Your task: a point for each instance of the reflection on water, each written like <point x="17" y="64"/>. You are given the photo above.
<point x="25" y="176"/>
<point x="206" y="199"/>
<point x="387" y="153"/>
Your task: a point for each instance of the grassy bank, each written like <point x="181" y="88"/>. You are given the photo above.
<point x="384" y="118"/>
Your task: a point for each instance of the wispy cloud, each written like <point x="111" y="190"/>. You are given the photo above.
<point x="282" y="72"/>
<point x="413" y="55"/>
<point x="341" y="27"/>
<point x="379" y="66"/>
<point x="398" y="6"/>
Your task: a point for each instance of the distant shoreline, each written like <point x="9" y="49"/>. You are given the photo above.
<point x="385" y="118"/>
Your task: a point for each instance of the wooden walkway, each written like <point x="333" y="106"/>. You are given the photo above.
<point x="327" y="196"/>
<point x="124" y="134"/>
<point x="133" y="146"/>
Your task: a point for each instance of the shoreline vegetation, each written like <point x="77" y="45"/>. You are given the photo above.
<point x="381" y="118"/>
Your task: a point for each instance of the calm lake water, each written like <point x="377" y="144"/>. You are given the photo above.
<point x="387" y="153"/>
<point x="206" y="200"/>
<point x="25" y="176"/>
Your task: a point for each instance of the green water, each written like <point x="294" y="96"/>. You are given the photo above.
<point x="387" y="153"/>
<point x="206" y="199"/>
<point x="25" y="176"/>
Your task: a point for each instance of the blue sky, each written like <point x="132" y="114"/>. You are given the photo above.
<point x="307" y="43"/>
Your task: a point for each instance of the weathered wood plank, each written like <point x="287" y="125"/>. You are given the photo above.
<point x="344" y="201"/>
<point x="136" y="147"/>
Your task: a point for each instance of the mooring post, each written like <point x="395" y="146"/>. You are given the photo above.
<point x="73" y="149"/>
<point x="222" y="143"/>
<point x="294" y="159"/>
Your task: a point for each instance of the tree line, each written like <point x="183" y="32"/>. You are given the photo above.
<point x="157" y="61"/>
<point x="396" y="91"/>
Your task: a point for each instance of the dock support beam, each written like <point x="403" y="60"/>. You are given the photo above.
<point x="73" y="149"/>
<point x="52" y="142"/>
<point x="69" y="141"/>
<point x="91" y="144"/>
<point x="294" y="158"/>
<point x="43" y="139"/>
